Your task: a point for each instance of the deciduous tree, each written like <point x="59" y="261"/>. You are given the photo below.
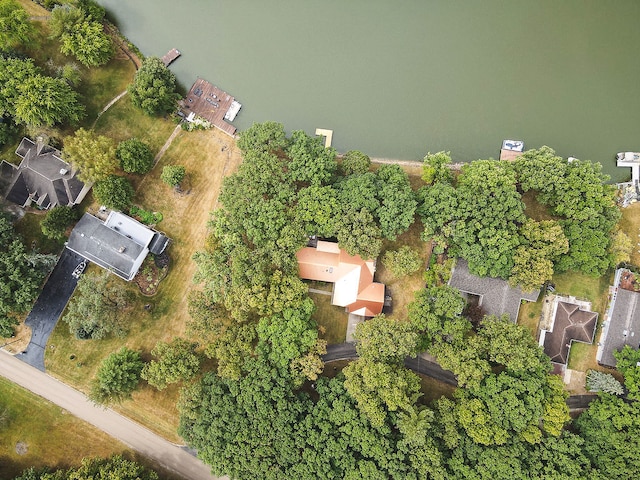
<point x="57" y="220"/>
<point x="355" y="162"/>
<point x="174" y="361"/>
<point x="92" y="154"/>
<point x="97" y="309"/>
<point x="15" y="27"/>
<point x="627" y="360"/>
<point x="154" y="88"/>
<point x="45" y="101"/>
<point x="173" y="175"/>
<point x="135" y="156"/>
<point x="114" y="192"/>
<point x="401" y="262"/>
<point x="117" y="377"/>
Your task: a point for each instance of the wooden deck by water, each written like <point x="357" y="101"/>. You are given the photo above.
<point x="170" y="56"/>
<point x="209" y="102"/>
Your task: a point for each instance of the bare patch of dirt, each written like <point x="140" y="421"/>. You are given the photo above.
<point x="628" y="281"/>
<point x="18" y="343"/>
<point x="21" y="448"/>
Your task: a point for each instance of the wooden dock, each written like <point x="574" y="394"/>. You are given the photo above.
<point x="170" y="56"/>
<point x="209" y="102"/>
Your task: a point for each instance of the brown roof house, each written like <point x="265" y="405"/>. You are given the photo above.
<point x="621" y="325"/>
<point x="572" y="321"/>
<point x="43" y="178"/>
<point x="352" y="277"/>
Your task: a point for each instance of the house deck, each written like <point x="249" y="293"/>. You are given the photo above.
<point x="211" y="103"/>
<point x="170" y="56"/>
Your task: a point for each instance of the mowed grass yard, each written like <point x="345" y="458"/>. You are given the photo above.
<point x="185" y="222"/>
<point x="630" y="224"/>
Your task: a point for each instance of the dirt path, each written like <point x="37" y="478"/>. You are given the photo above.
<point x="167" y="144"/>
<point x="109" y="105"/>
<point x="135" y="436"/>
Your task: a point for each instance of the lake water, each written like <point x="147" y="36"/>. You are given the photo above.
<point x="398" y="79"/>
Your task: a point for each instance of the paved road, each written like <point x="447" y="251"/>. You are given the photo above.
<point x="49" y="306"/>
<point x="135" y="436"/>
<point x="347" y="351"/>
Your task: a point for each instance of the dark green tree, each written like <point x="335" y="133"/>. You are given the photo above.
<point x="154" y="88"/>
<point x="309" y="161"/>
<point x="268" y="137"/>
<point x="57" y="220"/>
<point x="14" y="72"/>
<point x="135" y="156"/>
<point x="355" y="162"/>
<point x="627" y="360"/>
<point x="115" y="192"/>
<point x="21" y="276"/>
<point x="397" y="201"/>
<point x="117" y="377"/>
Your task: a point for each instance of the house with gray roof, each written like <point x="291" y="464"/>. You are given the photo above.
<point x="495" y="295"/>
<point x="42" y="179"/>
<point x="119" y="244"/>
<point x="621" y="324"/>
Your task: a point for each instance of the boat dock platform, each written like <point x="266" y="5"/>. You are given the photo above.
<point x="511" y="149"/>
<point x="207" y="101"/>
<point x="170" y="56"/>
<point x="327" y="134"/>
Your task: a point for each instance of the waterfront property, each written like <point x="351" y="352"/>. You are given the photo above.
<point x="43" y="178"/>
<point x="119" y="244"/>
<point x="622" y="320"/>
<point x="493" y="295"/>
<point x="572" y="321"/>
<point x="207" y="101"/>
<point x="352" y="277"/>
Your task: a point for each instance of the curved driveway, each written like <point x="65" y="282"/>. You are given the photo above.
<point x="49" y="306"/>
<point x="130" y="433"/>
<point x="347" y="351"/>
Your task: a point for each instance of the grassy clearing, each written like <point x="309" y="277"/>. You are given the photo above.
<point x="529" y="315"/>
<point x="403" y="289"/>
<point x="433" y="389"/>
<point x="534" y="209"/>
<point x="630" y="224"/>
<point x="331" y="320"/>
<point x="53" y="437"/>
<point x="123" y="121"/>
<point x="200" y="153"/>
<point x="29" y="228"/>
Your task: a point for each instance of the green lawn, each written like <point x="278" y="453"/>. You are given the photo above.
<point x="331" y="320"/>
<point x="630" y="224"/>
<point x="529" y="315"/>
<point x="53" y="437"/>
<point x="29" y="227"/>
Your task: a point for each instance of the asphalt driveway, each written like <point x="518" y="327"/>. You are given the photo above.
<point x="49" y="306"/>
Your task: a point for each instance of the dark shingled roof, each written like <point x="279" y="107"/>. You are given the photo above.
<point x="570" y="324"/>
<point x="42" y="177"/>
<point x="106" y="247"/>
<point x="623" y="326"/>
<point x="497" y="296"/>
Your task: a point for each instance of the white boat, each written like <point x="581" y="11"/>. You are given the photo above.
<point x="513" y="145"/>
<point x="627" y="157"/>
<point x="233" y="111"/>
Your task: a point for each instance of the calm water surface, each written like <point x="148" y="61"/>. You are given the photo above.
<point x="398" y="79"/>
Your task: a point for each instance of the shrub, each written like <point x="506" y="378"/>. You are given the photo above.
<point x="114" y="191"/>
<point x="117" y="377"/>
<point x="172" y="175"/>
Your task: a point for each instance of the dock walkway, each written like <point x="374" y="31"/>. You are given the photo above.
<point x="170" y="56"/>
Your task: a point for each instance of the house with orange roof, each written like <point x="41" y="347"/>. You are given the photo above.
<point x="351" y="276"/>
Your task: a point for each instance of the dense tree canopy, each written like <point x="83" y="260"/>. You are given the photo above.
<point x="173" y="362"/>
<point x="58" y="220"/>
<point x="154" y="88"/>
<point x="21" y="276"/>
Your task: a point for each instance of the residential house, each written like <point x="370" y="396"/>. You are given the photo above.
<point x="494" y="295"/>
<point x="119" y="244"/>
<point x="42" y="179"/>
<point x="351" y="276"/>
